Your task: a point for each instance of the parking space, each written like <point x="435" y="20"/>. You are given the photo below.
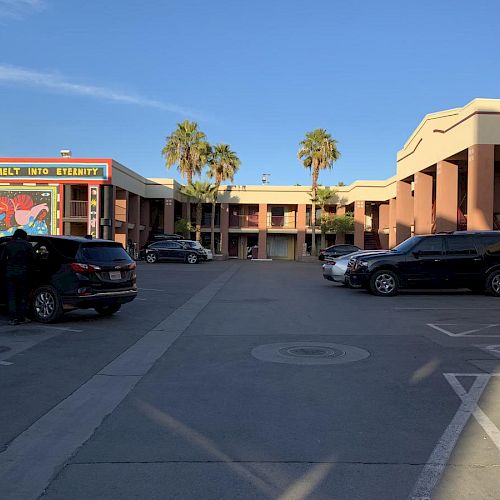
<point x="262" y="380"/>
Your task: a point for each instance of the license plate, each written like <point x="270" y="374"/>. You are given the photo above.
<point x="115" y="275"/>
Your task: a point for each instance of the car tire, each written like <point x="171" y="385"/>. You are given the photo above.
<point x="384" y="283"/>
<point x="151" y="258"/>
<point x="191" y="258"/>
<point x="108" y="310"/>
<point x="46" y="305"/>
<point x="493" y="284"/>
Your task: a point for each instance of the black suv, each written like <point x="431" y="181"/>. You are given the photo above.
<point x="174" y="250"/>
<point x="76" y="273"/>
<point x="463" y="259"/>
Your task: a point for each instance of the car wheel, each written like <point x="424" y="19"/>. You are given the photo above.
<point x="151" y="258"/>
<point x="108" y="310"/>
<point x="46" y="305"/>
<point x="192" y="258"/>
<point x="384" y="283"/>
<point x="493" y="284"/>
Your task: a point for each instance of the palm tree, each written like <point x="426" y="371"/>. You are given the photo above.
<point x="187" y="148"/>
<point x="223" y="164"/>
<point x="200" y="192"/>
<point x="318" y="151"/>
<point x="324" y="196"/>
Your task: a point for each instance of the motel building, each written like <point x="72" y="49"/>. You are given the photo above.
<point x="447" y="178"/>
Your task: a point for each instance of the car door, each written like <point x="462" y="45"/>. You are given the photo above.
<point x="463" y="260"/>
<point x="161" y="249"/>
<point x="424" y="265"/>
<point x="176" y="251"/>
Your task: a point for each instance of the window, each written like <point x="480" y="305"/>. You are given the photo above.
<point x="461" y="245"/>
<point x="104" y="253"/>
<point x="173" y="245"/>
<point x="430" y="246"/>
<point x="491" y="245"/>
<point x="160" y="244"/>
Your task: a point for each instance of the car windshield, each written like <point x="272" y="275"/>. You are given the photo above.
<point x="104" y="253"/>
<point x="406" y="245"/>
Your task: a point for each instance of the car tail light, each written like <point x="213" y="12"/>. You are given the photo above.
<point x="132" y="266"/>
<point x="84" y="268"/>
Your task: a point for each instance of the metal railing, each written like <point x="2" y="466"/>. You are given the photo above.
<point x="285" y="221"/>
<point x="78" y="208"/>
<point x="251" y="220"/>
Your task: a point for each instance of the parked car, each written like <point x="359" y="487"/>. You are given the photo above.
<point x="463" y="259"/>
<point x="76" y="273"/>
<point x="173" y="251"/>
<point x="337" y="251"/>
<point x="158" y="237"/>
<point x="335" y="269"/>
<point x="198" y="246"/>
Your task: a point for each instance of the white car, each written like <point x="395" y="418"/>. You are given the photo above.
<point x="199" y="246"/>
<point x="334" y="269"/>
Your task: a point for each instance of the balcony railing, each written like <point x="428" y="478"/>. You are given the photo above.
<point x="78" y="208"/>
<point x="285" y="221"/>
<point x="243" y="220"/>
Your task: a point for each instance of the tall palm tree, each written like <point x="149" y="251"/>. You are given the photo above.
<point x="187" y="148"/>
<point x="318" y="151"/>
<point x="200" y="192"/>
<point x="223" y="164"/>
<point x="324" y="196"/>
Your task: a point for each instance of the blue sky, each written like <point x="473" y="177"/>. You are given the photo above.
<point x="112" y="79"/>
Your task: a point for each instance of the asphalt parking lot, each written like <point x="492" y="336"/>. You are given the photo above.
<point x="255" y="380"/>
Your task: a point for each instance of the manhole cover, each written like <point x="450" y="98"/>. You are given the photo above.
<point x="309" y="353"/>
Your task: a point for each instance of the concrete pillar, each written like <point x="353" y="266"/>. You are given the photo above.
<point x="392" y="223"/>
<point x="359" y="224"/>
<point x="301" y="231"/>
<point x="145" y="221"/>
<point x="168" y="216"/>
<point x="134" y="217"/>
<point x="121" y="214"/>
<point x="480" y="187"/>
<point x="67" y="208"/>
<point x="404" y="211"/>
<point x="262" y="231"/>
<point x="422" y="209"/>
<point x="446" y="196"/>
<point x="108" y="212"/>
<point x="340" y="237"/>
<point x="224" y="228"/>
<point x="383" y="225"/>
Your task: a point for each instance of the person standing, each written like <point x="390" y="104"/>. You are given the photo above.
<point x="18" y="258"/>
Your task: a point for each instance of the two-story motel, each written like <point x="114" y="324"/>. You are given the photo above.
<point x="447" y="178"/>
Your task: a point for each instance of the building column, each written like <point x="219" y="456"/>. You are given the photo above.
<point x="67" y="209"/>
<point x="446" y="196"/>
<point x="404" y="211"/>
<point x="262" y="231"/>
<point x="121" y="214"/>
<point x="134" y="217"/>
<point x="301" y="231"/>
<point x="392" y="222"/>
<point x="422" y="208"/>
<point x="480" y="187"/>
<point x="108" y="212"/>
<point x="359" y="224"/>
<point x="145" y="221"/>
<point x="224" y="229"/>
<point x="340" y="237"/>
<point x="168" y="216"/>
<point x="383" y="225"/>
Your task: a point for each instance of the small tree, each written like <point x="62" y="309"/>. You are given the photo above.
<point x="342" y="224"/>
<point x="200" y="192"/>
<point x="324" y="196"/>
<point x="183" y="227"/>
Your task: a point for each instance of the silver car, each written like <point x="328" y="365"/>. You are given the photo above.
<point x="334" y="269"/>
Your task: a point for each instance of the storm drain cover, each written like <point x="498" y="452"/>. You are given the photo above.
<point x="309" y="353"/>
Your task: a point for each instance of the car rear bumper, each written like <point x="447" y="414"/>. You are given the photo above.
<point x="100" y="299"/>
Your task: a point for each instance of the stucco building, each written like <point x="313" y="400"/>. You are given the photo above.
<point x="447" y="178"/>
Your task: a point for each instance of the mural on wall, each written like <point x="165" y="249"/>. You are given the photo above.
<point x="32" y="208"/>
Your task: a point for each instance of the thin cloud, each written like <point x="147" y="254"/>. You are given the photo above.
<point x="17" y="9"/>
<point x="60" y="83"/>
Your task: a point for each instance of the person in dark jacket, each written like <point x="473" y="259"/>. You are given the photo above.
<point x="18" y="258"/>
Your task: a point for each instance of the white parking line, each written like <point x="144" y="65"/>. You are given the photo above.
<point x="433" y="469"/>
<point x="152" y="289"/>
<point x="6" y="363"/>
<point x="466" y="333"/>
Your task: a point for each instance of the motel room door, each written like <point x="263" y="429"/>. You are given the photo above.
<point x="233" y="245"/>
